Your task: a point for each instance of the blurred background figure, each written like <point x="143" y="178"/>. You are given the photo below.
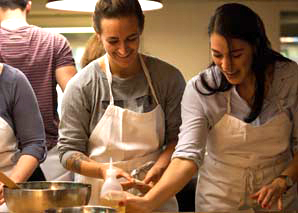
<point x="46" y="60"/>
<point x="93" y="50"/>
<point x="22" y="144"/>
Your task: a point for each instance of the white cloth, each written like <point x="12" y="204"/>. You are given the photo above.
<point x="130" y="138"/>
<point x="240" y="159"/>
<point x="8" y="151"/>
<point x="53" y="169"/>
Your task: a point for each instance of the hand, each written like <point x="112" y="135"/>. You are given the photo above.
<point x="153" y="175"/>
<point x="119" y="172"/>
<point x="136" y="204"/>
<point x="1" y="194"/>
<point x="271" y="193"/>
<point x="137" y="184"/>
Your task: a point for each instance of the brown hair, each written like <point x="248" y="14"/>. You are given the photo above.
<point x="13" y="4"/>
<point x="93" y="50"/>
<point x="116" y="9"/>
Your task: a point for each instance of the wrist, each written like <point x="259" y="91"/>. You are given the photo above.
<point x="100" y="173"/>
<point x="149" y="202"/>
<point x="285" y="182"/>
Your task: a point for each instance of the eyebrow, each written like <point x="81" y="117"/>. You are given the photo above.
<point x="132" y="35"/>
<point x="233" y="51"/>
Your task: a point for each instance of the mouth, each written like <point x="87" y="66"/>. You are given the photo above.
<point x="124" y="56"/>
<point x="231" y="74"/>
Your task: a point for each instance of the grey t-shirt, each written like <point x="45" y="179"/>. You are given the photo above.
<point x="87" y="96"/>
<point x="19" y="108"/>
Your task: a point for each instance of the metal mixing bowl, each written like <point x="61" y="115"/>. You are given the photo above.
<point x="41" y="195"/>
<point x="83" y="209"/>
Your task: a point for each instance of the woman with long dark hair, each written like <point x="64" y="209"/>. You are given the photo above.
<point x="239" y="124"/>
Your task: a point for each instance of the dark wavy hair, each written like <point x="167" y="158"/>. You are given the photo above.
<point x="116" y="9"/>
<point x="233" y="20"/>
<point x="13" y="4"/>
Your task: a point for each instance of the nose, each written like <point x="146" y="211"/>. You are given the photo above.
<point x="226" y="64"/>
<point x="123" y="48"/>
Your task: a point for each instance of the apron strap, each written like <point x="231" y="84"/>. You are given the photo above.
<point x="109" y="76"/>
<point x="146" y="71"/>
<point x="228" y="96"/>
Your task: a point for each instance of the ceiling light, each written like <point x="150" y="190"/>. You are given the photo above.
<point x="89" y="5"/>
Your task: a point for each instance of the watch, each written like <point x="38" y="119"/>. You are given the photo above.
<point x="288" y="179"/>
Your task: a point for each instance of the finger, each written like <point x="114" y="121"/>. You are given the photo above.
<point x="267" y="197"/>
<point x="144" y="188"/>
<point x="147" y="179"/>
<point x="273" y="200"/>
<point x="279" y="203"/>
<point x="255" y="195"/>
<point x="127" y="185"/>
<point x="125" y="175"/>
<point x="261" y="197"/>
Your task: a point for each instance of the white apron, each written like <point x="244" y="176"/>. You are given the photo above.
<point x="9" y="148"/>
<point x="53" y="169"/>
<point x="132" y="139"/>
<point x="241" y="159"/>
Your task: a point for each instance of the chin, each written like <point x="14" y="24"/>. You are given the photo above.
<point x="126" y="62"/>
<point x="234" y="81"/>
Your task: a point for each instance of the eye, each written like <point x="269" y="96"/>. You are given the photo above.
<point x="112" y="41"/>
<point x="133" y="38"/>
<point x="236" y="55"/>
<point x="217" y="55"/>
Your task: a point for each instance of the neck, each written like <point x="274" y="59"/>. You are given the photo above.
<point x="246" y="90"/>
<point x="12" y="19"/>
<point x="126" y="72"/>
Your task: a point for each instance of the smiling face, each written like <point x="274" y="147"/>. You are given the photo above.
<point x="234" y="61"/>
<point x="120" y="38"/>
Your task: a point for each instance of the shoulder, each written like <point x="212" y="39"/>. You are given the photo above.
<point x="11" y="75"/>
<point x="211" y="76"/>
<point x="89" y="75"/>
<point x="46" y="33"/>
<point x="161" y="68"/>
<point x="285" y="71"/>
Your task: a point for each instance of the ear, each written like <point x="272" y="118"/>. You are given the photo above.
<point x="28" y="7"/>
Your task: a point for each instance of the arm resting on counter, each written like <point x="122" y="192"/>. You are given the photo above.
<point x="178" y="173"/>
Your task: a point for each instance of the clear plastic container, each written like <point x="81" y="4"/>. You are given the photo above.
<point x="112" y="193"/>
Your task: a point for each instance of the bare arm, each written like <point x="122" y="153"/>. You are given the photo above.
<point x="64" y="74"/>
<point x="178" y="173"/>
<point x="80" y="163"/>
<point x="21" y="172"/>
<point x="24" y="168"/>
<point x="161" y="164"/>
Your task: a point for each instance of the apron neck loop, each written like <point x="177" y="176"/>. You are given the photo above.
<point x="109" y="76"/>
<point x="146" y="71"/>
<point x="228" y="96"/>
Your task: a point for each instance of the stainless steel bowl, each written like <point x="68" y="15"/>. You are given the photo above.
<point x="41" y="195"/>
<point x="83" y="209"/>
